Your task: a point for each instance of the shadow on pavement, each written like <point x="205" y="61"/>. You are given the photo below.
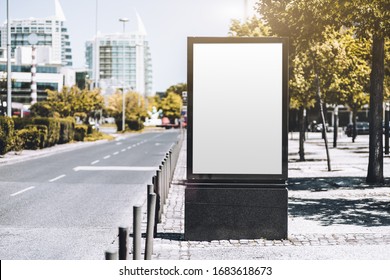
<point x="345" y="209"/>
<point x="362" y="212"/>
<point x="331" y="183"/>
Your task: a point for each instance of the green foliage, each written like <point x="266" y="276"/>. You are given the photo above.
<point x="135" y="124"/>
<point x="302" y="90"/>
<point x="53" y="129"/>
<point x="254" y="27"/>
<point x="42" y="109"/>
<point x="29" y="138"/>
<point x="67" y="130"/>
<point x="20" y="123"/>
<point x="135" y="109"/>
<point x="80" y="132"/>
<point x="69" y="102"/>
<point x="171" y="106"/>
<point x="343" y="63"/>
<point x="7" y="138"/>
<point x="43" y="134"/>
<point x="177" y="89"/>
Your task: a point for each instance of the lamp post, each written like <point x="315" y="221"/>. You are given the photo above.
<point x="123" y="20"/>
<point x="9" y="85"/>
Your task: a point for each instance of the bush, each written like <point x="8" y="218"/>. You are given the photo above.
<point x="42" y="136"/>
<point x="20" y="123"/>
<point x="80" y="132"/>
<point x="118" y="123"/>
<point x="67" y="130"/>
<point x="29" y="137"/>
<point x="53" y="129"/>
<point x="135" y="124"/>
<point x="7" y="138"/>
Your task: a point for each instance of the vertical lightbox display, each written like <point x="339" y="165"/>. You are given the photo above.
<point x="237" y="111"/>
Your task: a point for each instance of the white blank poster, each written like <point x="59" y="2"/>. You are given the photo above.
<point x="237" y="108"/>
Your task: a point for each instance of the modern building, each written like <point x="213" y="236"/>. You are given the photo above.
<point x="41" y="59"/>
<point x="50" y="32"/>
<point x="121" y="60"/>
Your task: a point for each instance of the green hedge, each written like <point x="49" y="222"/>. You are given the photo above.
<point x="67" y="130"/>
<point x="43" y="134"/>
<point x="29" y="137"/>
<point x="135" y="124"/>
<point x="80" y="132"/>
<point x="53" y="129"/>
<point x="7" y="137"/>
<point x="20" y="123"/>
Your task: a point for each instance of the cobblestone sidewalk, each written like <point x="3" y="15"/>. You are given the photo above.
<point x="330" y="217"/>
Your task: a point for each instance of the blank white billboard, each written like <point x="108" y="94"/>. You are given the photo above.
<point x="237" y="108"/>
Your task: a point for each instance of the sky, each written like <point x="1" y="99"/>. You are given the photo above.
<point x="168" y="23"/>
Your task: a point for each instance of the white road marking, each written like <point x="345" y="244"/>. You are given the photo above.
<point x="115" y="153"/>
<point x="22" y="191"/>
<point x="94" y="162"/>
<point x="115" y="168"/>
<point x="119" y="143"/>
<point x="106" y="157"/>
<point x="123" y="150"/>
<point x="57" y="178"/>
<point x="129" y="147"/>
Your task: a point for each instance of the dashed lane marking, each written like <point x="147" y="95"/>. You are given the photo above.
<point x="57" y="178"/>
<point x="22" y="191"/>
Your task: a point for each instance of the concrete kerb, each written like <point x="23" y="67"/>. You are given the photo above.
<point x="360" y="230"/>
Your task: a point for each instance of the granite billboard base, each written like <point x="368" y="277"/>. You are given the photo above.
<point x="228" y="211"/>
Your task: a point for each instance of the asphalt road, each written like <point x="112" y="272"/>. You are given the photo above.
<point x="69" y="205"/>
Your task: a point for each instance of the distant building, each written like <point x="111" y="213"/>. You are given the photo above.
<point x="41" y="58"/>
<point x="121" y="60"/>
<point x="50" y="32"/>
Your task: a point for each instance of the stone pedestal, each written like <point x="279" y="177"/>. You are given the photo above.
<point x="235" y="211"/>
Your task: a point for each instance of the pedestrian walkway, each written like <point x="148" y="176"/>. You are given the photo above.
<point x="332" y="214"/>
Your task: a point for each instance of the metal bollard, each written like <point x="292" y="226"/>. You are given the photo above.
<point x="158" y="192"/>
<point x="137" y="219"/>
<point x="150" y="226"/>
<point x="111" y="255"/>
<point x="123" y="243"/>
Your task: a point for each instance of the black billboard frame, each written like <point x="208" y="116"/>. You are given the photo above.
<point x="245" y="180"/>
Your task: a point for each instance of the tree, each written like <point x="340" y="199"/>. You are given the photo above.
<point x="70" y="101"/>
<point x="177" y="89"/>
<point x="135" y="109"/>
<point x="305" y="20"/>
<point x="171" y="106"/>
<point x="301" y="89"/>
<point x="344" y="61"/>
<point x="302" y="95"/>
<point x="254" y="27"/>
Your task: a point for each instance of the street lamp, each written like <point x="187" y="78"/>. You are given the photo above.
<point x="123" y="20"/>
<point x="9" y="85"/>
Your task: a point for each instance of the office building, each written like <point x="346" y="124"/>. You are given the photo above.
<point x="50" y="32"/>
<point x="121" y="60"/>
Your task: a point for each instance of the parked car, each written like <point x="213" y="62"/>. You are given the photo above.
<point x="317" y="127"/>
<point x="361" y="128"/>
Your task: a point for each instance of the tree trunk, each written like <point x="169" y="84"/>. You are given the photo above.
<point x="375" y="163"/>
<point x="302" y="129"/>
<point x="354" y="130"/>
<point x="323" y="123"/>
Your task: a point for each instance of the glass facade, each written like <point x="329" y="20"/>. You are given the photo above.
<point x="48" y="35"/>
<point x="123" y="58"/>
